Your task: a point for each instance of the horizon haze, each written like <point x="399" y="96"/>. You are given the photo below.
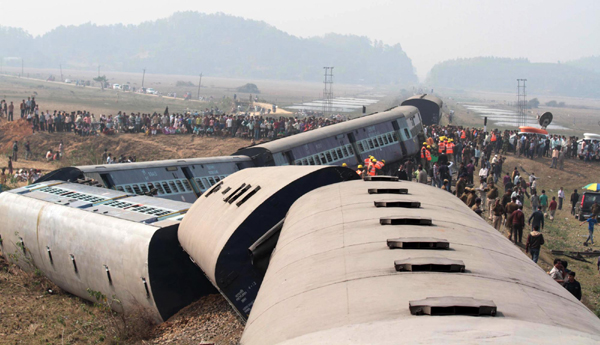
<point x="429" y="31"/>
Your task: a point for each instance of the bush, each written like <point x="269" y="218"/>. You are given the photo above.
<point x="248" y="88"/>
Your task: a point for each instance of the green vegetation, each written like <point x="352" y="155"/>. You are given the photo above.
<point x="219" y="44"/>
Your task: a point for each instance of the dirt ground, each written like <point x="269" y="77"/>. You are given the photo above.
<point x="564" y="232"/>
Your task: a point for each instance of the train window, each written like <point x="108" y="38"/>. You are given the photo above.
<point x="200" y="184"/>
<point x="173" y="186"/>
<point x="323" y="159"/>
<point x="311" y="160"/>
<point x="211" y="181"/>
<point x="217" y="178"/>
<point x="180" y="185"/>
<point x="396" y="136"/>
<point x="407" y="133"/>
<point x="136" y="189"/>
<point x="371" y="146"/>
<point x="385" y="139"/>
<point x="345" y="151"/>
<point x="120" y="188"/>
<point x="166" y="187"/>
<point x="350" y="149"/>
<point x="375" y="143"/>
<point x="361" y="148"/>
<point x="144" y="188"/>
<point x="159" y="188"/>
<point x="380" y="140"/>
<point x="129" y="190"/>
<point x="171" y="168"/>
<point x="298" y="162"/>
<point x="390" y="138"/>
<point x="318" y="160"/>
<point x="304" y="161"/>
<point x="334" y="155"/>
<point x="328" y="155"/>
<point x="248" y="196"/>
<point x="339" y="153"/>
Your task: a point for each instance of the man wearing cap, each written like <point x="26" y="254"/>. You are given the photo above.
<point x="492" y="195"/>
<point x="460" y="185"/>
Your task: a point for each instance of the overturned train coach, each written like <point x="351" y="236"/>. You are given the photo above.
<point x="309" y="255"/>
<point x="388" y="262"/>
<point x="391" y="135"/>
<point x="92" y="241"/>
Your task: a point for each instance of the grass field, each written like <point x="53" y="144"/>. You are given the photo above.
<point x="272" y="91"/>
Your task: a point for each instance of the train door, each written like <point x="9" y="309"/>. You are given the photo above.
<point x="188" y="175"/>
<point x="352" y="140"/>
<point x="108" y="181"/>
<point x="289" y="155"/>
<point x="400" y="137"/>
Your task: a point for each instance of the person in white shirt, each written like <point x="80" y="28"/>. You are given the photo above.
<point x="483" y="172"/>
<point x="561" y="197"/>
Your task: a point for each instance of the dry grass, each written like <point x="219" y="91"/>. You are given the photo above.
<point x="35" y="311"/>
<point x="564" y="233"/>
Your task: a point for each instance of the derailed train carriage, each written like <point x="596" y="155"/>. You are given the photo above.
<point x="429" y="106"/>
<point x="391" y="135"/>
<point x="374" y="261"/>
<point x="175" y="179"/>
<point x="90" y="240"/>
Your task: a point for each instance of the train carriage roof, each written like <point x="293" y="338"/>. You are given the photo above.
<point x="162" y="163"/>
<point x="426" y="97"/>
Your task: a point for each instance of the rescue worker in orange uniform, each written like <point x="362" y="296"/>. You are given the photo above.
<point x="373" y="167"/>
<point x="442" y="146"/>
<point x="428" y="156"/>
<point x="359" y="171"/>
<point x="424" y="155"/>
<point x="450" y="148"/>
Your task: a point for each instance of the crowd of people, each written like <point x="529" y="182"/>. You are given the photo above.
<point x="473" y="161"/>
<point x="208" y="122"/>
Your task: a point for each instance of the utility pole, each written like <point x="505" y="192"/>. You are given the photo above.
<point x="61" y="75"/>
<point x="199" y="85"/>
<point x="328" y="90"/>
<point x="522" y="102"/>
<point x="143" y="75"/>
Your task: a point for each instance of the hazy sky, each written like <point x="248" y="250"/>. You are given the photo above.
<point x="429" y="31"/>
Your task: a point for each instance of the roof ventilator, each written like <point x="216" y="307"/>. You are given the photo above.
<point x="226" y="190"/>
<point x="248" y="196"/>
<point x="234" y="192"/>
<point x="388" y="191"/>
<point x="381" y="178"/>
<point x="429" y="265"/>
<point x="50" y="255"/>
<point x="235" y="197"/>
<point x="418" y="243"/>
<point x="405" y="221"/>
<point x="398" y="203"/>
<point x="74" y="263"/>
<point x="438" y="306"/>
<point x="214" y="189"/>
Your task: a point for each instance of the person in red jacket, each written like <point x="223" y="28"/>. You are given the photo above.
<point x="518" y="219"/>
<point x="552" y="208"/>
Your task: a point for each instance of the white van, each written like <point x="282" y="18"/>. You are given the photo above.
<point x="116" y="86"/>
